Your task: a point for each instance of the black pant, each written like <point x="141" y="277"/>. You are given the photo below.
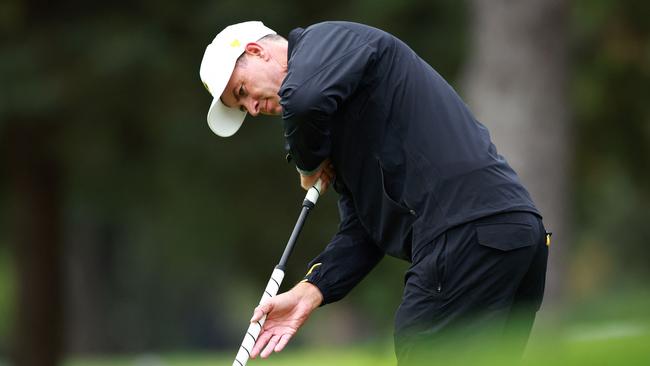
<point x="480" y="281"/>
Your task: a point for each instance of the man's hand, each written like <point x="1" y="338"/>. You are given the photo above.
<point x="325" y="172"/>
<point x="286" y="313"/>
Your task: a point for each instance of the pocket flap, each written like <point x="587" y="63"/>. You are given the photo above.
<point x="505" y="236"/>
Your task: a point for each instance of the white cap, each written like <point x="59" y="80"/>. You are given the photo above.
<point x="217" y="66"/>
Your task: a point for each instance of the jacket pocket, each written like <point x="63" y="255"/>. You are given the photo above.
<point x="505" y="236"/>
<point x="434" y="266"/>
<point x="389" y="222"/>
<point x="387" y="196"/>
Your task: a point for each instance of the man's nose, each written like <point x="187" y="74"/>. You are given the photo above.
<point x="252" y="106"/>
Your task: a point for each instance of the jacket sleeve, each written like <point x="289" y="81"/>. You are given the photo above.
<point x="325" y="70"/>
<point x="346" y="260"/>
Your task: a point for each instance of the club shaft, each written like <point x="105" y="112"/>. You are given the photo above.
<point x="294" y="237"/>
<point x="273" y="286"/>
<point x="271" y="290"/>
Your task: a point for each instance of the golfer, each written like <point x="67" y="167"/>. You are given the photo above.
<point x="417" y="177"/>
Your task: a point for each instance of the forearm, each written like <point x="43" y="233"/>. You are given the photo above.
<point x="308" y="142"/>
<point x="347" y="259"/>
<point x="342" y="265"/>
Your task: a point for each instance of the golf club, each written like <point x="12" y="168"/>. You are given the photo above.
<point x="273" y="285"/>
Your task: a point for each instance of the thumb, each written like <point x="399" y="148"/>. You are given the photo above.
<point x="260" y="310"/>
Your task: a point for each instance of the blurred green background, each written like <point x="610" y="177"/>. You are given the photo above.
<point x="131" y="235"/>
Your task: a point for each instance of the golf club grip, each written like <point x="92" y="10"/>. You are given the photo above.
<point x="254" y="329"/>
<point x="314" y="192"/>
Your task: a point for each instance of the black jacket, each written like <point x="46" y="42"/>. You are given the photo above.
<point x="411" y="160"/>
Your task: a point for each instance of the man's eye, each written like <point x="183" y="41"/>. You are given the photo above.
<point x="241" y="91"/>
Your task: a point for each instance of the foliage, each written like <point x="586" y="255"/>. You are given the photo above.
<point x="161" y="217"/>
<point x="611" y="84"/>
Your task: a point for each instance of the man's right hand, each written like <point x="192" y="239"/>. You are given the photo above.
<point x="325" y="173"/>
<point x="286" y="313"/>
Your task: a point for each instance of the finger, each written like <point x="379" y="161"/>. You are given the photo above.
<point x="262" y="340"/>
<point x="257" y="315"/>
<point x="283" y="342"/>
<point x="325" y="182"/>
<point x="270" y="346"/>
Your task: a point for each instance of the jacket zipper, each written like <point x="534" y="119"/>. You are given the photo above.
<point x="440" y="271"/>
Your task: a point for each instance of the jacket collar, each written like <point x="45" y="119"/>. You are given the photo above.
<point x="294" y="35"/>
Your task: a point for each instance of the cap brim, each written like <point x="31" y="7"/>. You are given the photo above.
<point x="224" y="121"/>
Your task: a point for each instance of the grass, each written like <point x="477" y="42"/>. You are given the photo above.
<point x="359" y="356"/>
<point x="612" y="330"/>
<point x="609" y="344"/>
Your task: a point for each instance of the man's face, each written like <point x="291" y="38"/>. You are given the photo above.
<point x="254" y="86"/>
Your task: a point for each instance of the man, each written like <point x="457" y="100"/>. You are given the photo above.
<point x="417" y="177"/>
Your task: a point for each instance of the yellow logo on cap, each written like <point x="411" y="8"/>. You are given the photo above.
<point x="235" y="43"/>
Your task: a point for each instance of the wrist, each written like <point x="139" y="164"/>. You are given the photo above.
<point x="309" y="173"/>
<point x="310" y="294"/>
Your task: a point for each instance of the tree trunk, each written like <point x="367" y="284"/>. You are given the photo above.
<point x="35" y="191"/>
<point x="516" y="84"/>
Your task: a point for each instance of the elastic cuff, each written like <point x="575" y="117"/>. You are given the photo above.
<point x="314" y="277"/>
<point x="322" y="286"/>
<point x="307" y="173"/>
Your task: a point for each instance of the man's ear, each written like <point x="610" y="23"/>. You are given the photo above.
<point x="255" y="49"/>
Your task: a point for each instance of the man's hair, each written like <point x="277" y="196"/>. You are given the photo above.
<point x="272" y="38"/>
<point x="241" y="61"/>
